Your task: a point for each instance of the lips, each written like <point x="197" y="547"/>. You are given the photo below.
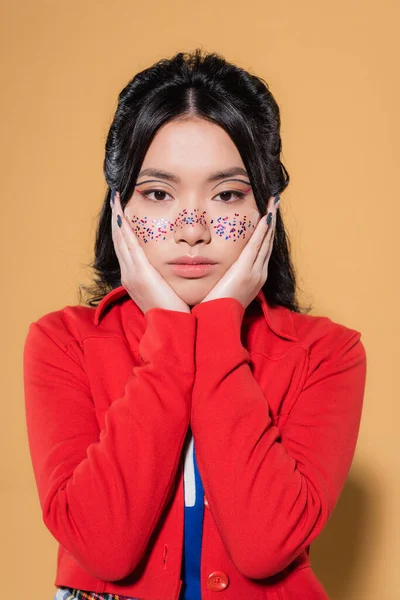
<point x="193" y="260"/>
<point x="193" y="271"/>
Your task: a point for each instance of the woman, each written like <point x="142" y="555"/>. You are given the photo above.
<point x="191" y="428"/>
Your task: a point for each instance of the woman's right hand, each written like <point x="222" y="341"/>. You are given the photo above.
<point x="145" y="285"/>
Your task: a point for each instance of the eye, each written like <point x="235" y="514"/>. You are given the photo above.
<point x="147" y="193"/>
<point x="238" y="195"/>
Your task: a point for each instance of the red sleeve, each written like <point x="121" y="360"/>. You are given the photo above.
<point x="270" y="492"/>
<point x="102" y="492"/>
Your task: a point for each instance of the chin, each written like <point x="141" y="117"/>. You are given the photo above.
<point x="192" y="291"/>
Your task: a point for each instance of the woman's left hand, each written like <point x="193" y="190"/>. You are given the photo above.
<point x="247" y="275"/>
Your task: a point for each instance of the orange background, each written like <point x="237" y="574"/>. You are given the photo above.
<point x="333" y="69"/>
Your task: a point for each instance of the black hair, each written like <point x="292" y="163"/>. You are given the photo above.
<point x="202" y="85"/>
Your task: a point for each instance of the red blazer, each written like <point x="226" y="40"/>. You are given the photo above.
<point x="274" y="400"/>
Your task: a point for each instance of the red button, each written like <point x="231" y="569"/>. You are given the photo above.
<point x="206" y="501"/>
<point x="217" y="581"/>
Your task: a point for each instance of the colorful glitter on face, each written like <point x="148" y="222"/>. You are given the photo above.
<point x="147" y="232"/>
<point x="231" y="228"/>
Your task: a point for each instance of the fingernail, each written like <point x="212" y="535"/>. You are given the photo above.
<point x="269" y="218"/>
<point x="113" y="192"/>
<point x="119" y="220"/>
<point x="277" y="199"/>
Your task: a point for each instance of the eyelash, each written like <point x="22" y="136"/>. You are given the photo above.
<point x="239" y="195"/>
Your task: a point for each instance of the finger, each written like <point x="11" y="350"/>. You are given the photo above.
<point x="270" y="245"/>
<point x="128" y="242"/>
<point x="137" y="254"/>
<point x="265" y="248"/>
<point x="265" y="266"/>
<point x="117" y="238"/>
<point x="258" y="237"/>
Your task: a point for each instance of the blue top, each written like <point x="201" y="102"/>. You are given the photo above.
<point x="193" y="525"/>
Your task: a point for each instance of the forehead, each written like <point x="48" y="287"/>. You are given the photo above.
<point x="193" y="148"/>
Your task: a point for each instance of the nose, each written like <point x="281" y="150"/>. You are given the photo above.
<point x="192" y="226"/>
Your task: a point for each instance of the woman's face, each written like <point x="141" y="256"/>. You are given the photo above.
<point x="193" y="212"/>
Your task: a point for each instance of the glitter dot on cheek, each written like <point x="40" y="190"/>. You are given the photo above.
<point x="232" y="229"/>
<point x="156" y="229"/>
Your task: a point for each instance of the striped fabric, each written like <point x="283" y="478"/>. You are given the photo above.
<point x="66" y="593"/>
<point x="193" y="524"/>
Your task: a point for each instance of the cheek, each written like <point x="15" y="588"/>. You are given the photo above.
<point x="231" y="228"/>
<point x="147" y="229"/>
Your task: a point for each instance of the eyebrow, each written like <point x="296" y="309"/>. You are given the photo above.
<point x="217" y="176"/>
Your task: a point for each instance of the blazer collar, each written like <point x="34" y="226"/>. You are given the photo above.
<point x="279" y="318"/>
